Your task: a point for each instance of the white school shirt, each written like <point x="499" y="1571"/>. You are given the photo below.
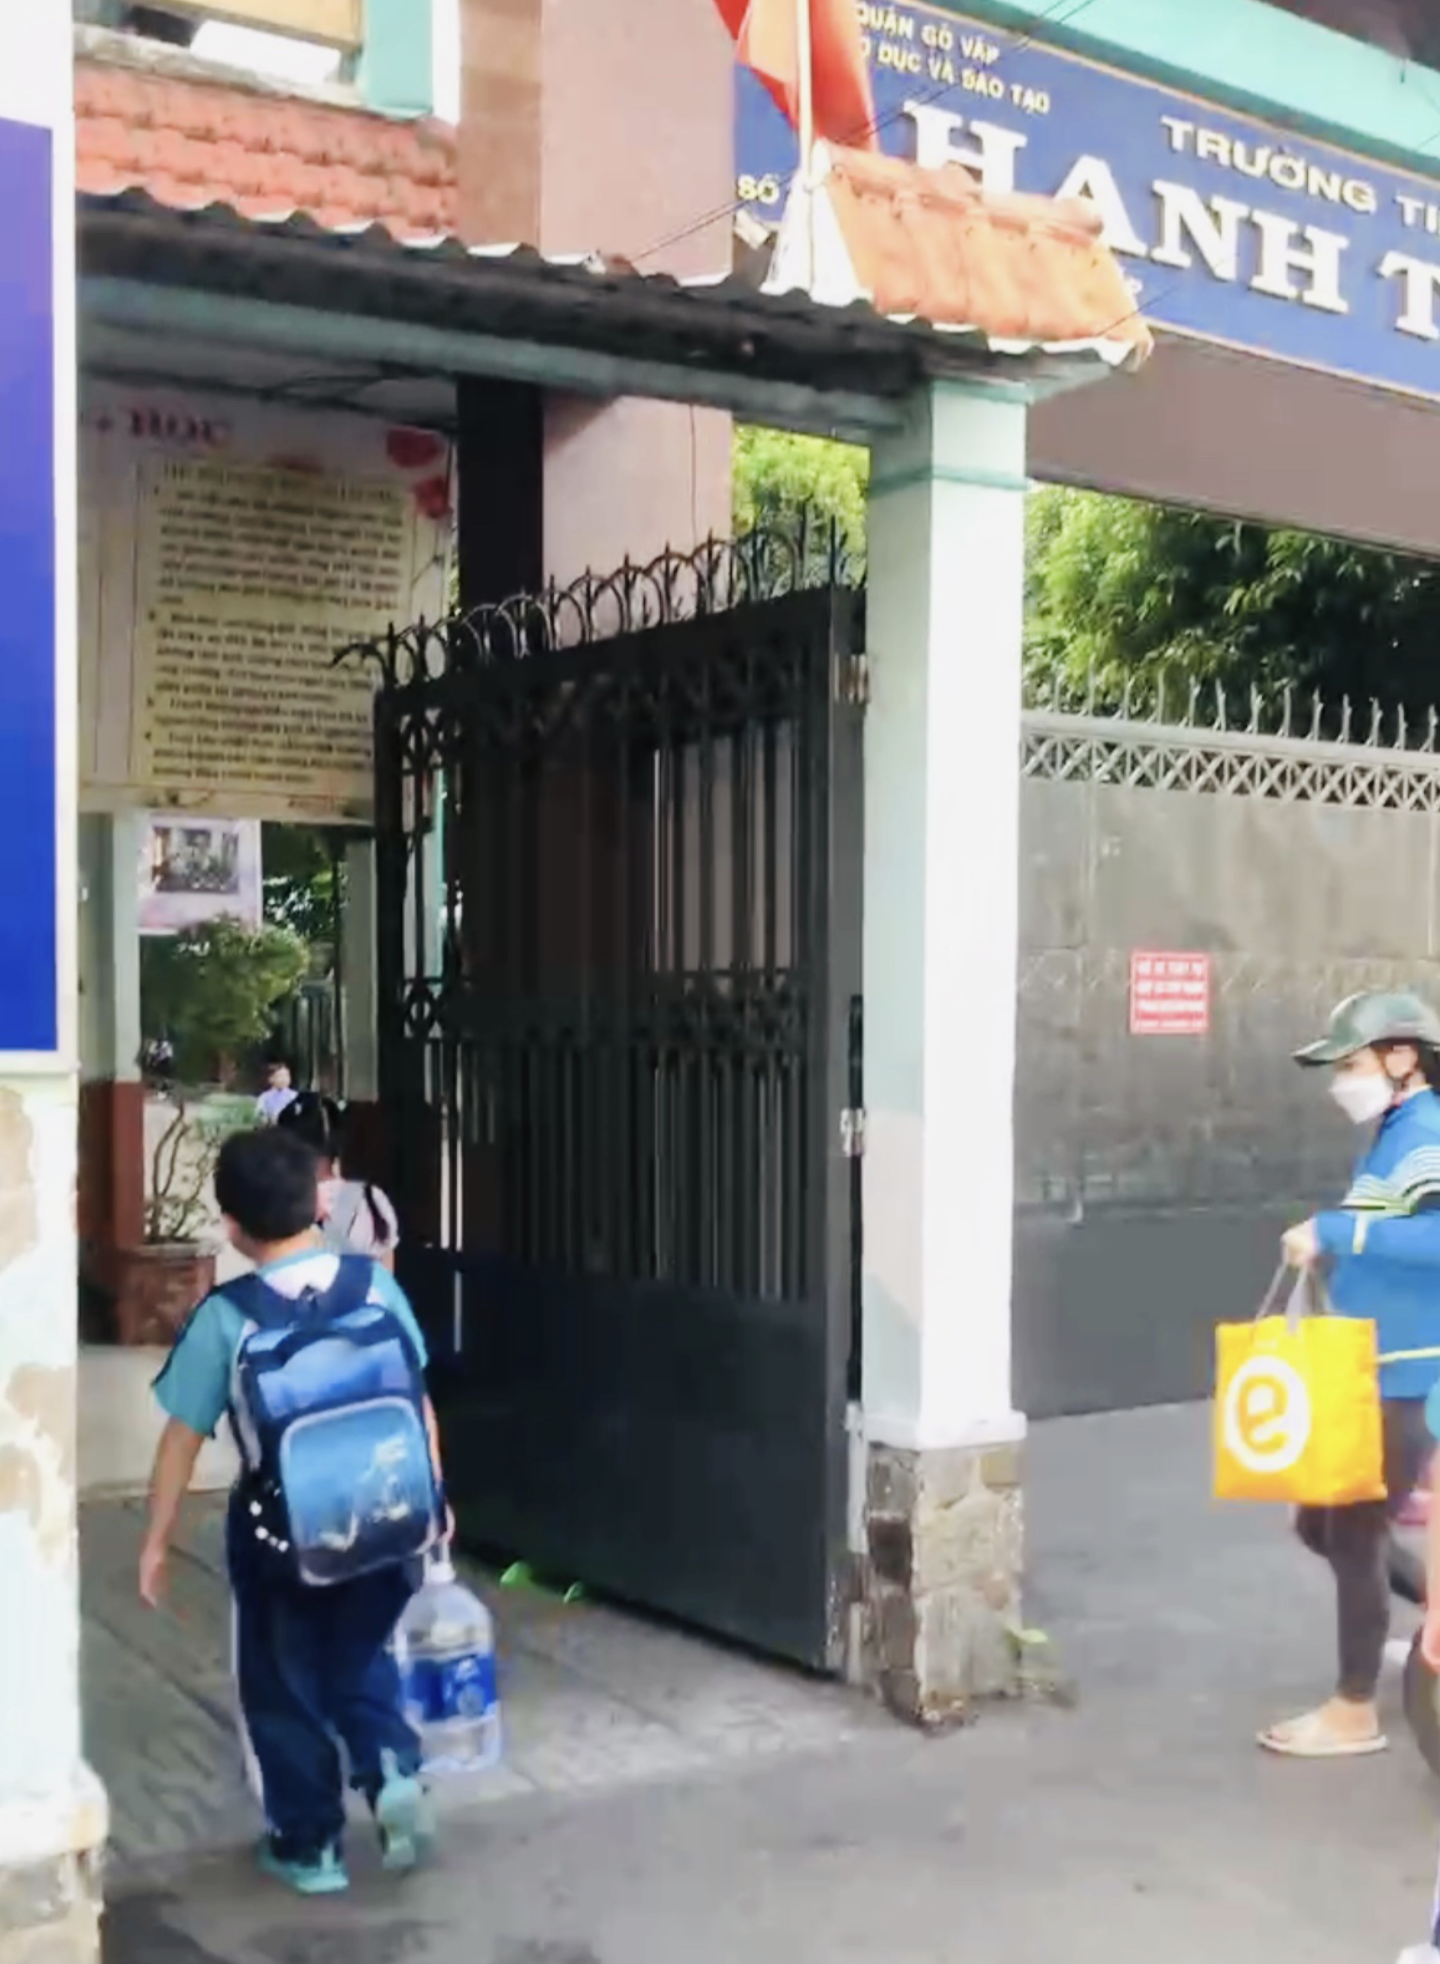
<point x="346" y="1203"/>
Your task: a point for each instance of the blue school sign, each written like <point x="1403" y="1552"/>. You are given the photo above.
<point x="28" y="954"/>
<point x="1228" y="229"/>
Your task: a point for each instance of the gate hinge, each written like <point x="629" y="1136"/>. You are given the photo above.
<point x="852" y="680"/>
<point x="852" y="1132"/>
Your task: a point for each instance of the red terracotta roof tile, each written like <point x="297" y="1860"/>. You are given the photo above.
<point x="914" y="243"/>
<point x="196" y="142"/>
<point x="931" y="244"/>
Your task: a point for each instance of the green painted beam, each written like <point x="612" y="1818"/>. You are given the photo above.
<point x="1246" y="55"/>
<point x="396" y="70"/>
<point x="414" y="348"/>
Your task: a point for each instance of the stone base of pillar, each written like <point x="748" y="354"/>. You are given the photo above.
<point x="50" y="1902"/>
<point x="944" y="1541"/>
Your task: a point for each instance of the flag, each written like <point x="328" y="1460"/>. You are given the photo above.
<point x="766" y="37"/>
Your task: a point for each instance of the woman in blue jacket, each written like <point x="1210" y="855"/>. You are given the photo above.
<point x="1381" y="1248"/>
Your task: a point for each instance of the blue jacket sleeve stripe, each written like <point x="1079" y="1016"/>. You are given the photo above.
<point x="1417" y="1174"/>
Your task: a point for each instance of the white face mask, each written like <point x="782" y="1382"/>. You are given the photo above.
<point x="1363" y="1099"/>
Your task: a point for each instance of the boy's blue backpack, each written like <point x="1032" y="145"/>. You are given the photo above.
<point x="328" y="1406"/>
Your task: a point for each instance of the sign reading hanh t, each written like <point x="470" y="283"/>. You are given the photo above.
<point x="29" y="584"/>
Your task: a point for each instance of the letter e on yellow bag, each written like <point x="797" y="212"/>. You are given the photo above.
<point x="1297" y="1411"/>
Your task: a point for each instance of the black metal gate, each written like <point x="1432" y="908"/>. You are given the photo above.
<point x="619" y="861"/>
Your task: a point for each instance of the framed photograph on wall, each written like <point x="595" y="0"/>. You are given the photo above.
<point x="195" y="868"/>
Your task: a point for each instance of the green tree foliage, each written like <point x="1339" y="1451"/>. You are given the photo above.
<point x="1118" y="590"/>
<point x="300" y="880"/>
<point x="777" y="476"/>
<point x="211" y="990"/>
<point x="1122" y="594"/>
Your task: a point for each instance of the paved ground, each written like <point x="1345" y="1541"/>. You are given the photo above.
<point x="1140" y="1827"/>
<point x="592" y="1699"/>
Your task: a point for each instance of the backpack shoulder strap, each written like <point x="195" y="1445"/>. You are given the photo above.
<point x="350" y="1290"/>
<point x="258" y="1302"/>
<point x="339" y="1223"/>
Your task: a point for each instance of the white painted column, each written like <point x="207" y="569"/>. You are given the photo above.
<point x="52" y="1814"/>
<point x="127" y="836"/>
<point x="362" y="1061"/>
<point x="109" y="952"/>
<point x="946" y="584"/>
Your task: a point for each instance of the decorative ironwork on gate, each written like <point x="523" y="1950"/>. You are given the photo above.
<point x="719" y="575"/>
<point x="618" y="861"/>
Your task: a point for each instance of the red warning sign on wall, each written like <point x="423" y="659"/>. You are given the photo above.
<point x="1169" y="994"/>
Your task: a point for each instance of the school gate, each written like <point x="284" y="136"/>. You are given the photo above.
<point x="1298" y="847"/>
<point x="619" y="834"/>
<point x="618" y="892"/>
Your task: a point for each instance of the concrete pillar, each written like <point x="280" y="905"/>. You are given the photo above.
<point x="498" y="141"/>
<point x="943" y="1520"/>
<point x="605" y="129"/>
<point x="52" y="1811"/>
<point x="638" y="160"/>
<point x="500" y="453"/>
<point x="362" y="1062"/>
<point x="111" y="1182"/>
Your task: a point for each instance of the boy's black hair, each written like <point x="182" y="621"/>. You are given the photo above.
<point x="266" y="1182"/>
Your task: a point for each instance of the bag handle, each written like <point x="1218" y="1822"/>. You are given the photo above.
<point x="1308" y="1295"/>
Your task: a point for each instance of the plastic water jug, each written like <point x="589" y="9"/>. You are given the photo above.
<point x="446" y="1650"/>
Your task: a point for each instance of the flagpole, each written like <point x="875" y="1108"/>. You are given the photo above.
<point x="805" y="125"/>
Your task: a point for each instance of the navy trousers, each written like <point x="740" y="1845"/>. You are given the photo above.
<point x="314" y="1670"/>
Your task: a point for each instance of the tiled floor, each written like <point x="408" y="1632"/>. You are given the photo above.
<point x="592" y="1697"/>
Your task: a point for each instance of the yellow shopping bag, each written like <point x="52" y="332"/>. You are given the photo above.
<point x="1297" y="1405"/>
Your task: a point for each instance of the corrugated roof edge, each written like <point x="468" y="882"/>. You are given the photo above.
<point x="593" y="273"/>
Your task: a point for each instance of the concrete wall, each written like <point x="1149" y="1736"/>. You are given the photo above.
<point x="1207" y="427"/>
<point x="1396" y="25"/>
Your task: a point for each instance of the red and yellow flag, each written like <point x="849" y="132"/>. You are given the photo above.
<point x="767" y="40"/>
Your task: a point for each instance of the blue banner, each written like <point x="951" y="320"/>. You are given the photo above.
<point x="28" y="955"/>
<point x="1228" y="229"/>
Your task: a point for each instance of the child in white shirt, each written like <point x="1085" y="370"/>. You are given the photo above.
<point x="355" y="1217"/>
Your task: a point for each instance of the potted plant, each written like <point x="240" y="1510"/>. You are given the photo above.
<point x="160" y="1281"/>
<point x="209" y="992"/>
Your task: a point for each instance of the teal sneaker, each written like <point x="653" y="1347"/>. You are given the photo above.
<point x="402" y="1815"/>
<point x="313" y="1875"/>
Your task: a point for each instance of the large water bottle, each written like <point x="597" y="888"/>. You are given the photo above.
<point x="446" y="1650"/>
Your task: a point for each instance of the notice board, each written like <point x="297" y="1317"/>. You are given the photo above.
<point x="230" y="548"/>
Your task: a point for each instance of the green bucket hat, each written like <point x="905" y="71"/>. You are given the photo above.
<point x="1373" y="1016"/>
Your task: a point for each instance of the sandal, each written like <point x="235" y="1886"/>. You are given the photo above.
<point x="1312" y="1737"/>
